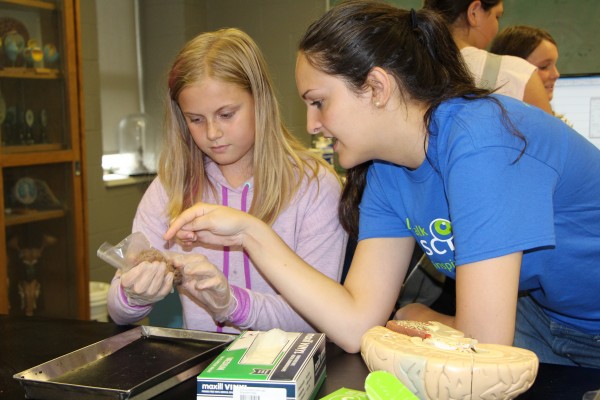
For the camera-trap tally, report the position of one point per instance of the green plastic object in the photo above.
(382, 385)
(346, 394)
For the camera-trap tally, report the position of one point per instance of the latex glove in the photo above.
(147, 283)
(206, 284)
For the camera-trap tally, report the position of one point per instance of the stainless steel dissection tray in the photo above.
(137, 364)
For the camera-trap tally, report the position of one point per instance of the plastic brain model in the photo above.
(437, 362)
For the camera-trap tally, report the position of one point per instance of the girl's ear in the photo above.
(380, 83)
(474, 13)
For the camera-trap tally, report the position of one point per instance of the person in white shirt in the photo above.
(473, 25)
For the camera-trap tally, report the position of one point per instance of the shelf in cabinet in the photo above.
(31, 3)
(29, 73)
(31, 148)
(25, 217)
(36, 158)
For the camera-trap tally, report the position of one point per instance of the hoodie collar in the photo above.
(216, 176)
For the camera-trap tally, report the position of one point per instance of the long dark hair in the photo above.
(451, 10)
(416, 47)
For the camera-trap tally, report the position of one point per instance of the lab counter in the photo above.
(26, 342)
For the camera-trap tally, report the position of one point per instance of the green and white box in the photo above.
(271, 365)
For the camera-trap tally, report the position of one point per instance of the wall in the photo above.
(276, 25)
(117, 61)
(110, 210)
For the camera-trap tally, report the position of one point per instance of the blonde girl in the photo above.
(225, 143)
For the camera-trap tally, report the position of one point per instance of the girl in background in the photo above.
(225, 143)
(501, 196)
(536, 46)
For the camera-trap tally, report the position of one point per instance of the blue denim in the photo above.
(551, 341)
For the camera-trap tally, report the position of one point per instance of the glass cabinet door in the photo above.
(32, 88)
(42, 252)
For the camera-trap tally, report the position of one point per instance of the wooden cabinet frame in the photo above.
(67, 156)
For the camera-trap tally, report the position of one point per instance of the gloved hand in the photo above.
(147, 283)
(206, 284)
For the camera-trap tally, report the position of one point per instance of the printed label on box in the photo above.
(272, 362)
(246, 393)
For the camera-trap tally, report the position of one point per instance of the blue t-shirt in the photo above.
(479, 196)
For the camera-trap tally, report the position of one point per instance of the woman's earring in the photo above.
(377, 104)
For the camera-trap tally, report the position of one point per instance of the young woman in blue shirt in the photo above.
(502, 196)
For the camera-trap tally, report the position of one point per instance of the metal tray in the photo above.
(137, 364)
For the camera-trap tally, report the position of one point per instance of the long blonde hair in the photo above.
(280, 160)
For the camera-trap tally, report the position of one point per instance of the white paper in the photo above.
(250, 393)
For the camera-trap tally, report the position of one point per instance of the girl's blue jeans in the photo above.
(551, 341)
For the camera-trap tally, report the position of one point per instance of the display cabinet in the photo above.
(43, 262)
